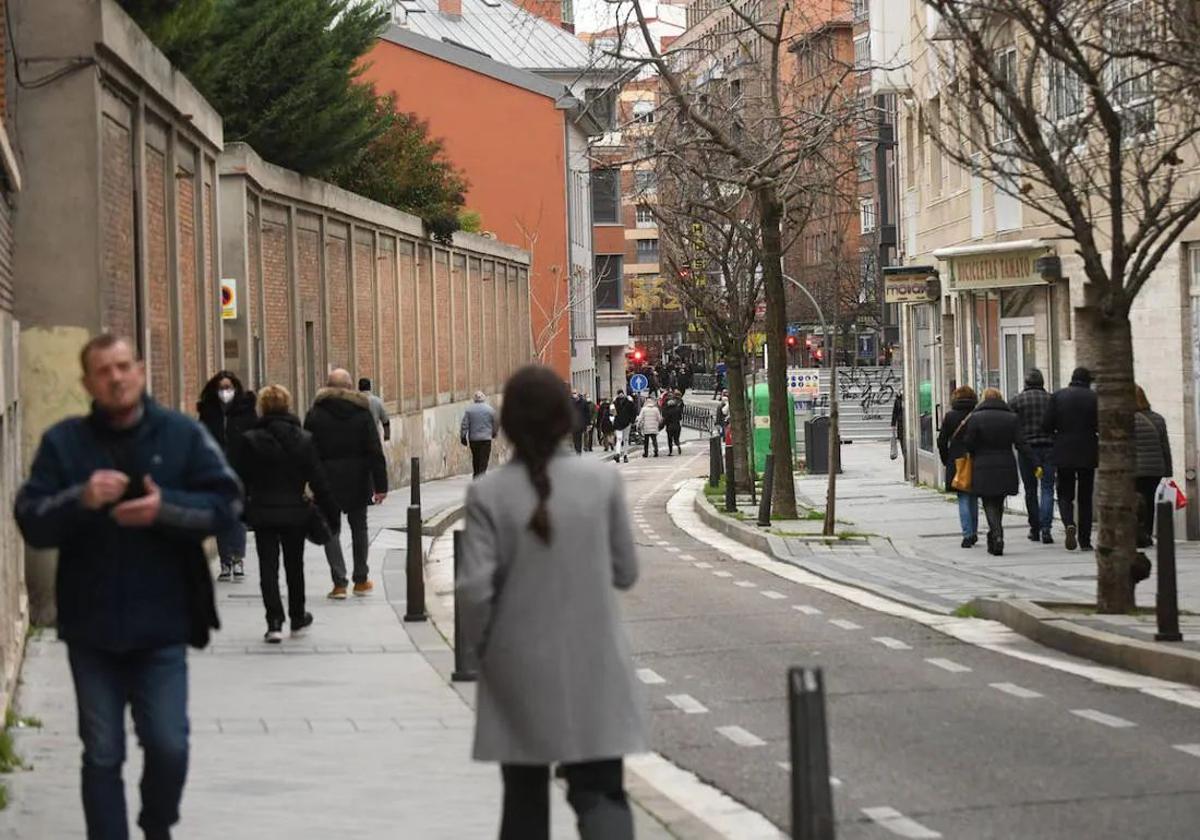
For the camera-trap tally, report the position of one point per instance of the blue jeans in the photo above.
(231, 543)
(1039, 511)
(154, 684)
(968, 514)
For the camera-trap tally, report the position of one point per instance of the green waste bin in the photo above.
(760, 398)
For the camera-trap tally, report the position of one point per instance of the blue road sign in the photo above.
(638, 382)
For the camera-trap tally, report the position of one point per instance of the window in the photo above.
(601, 104)
(935, 150)
(645, 216)
(866, 214)
(862, 52)
(644, 181)
(866, 163)
(1006, 69)
(606, 196)
(1066, 92)
(568, 11)
(860, 9)
(643, 112)
(608, 277)
(1131, 29)
(647, 250)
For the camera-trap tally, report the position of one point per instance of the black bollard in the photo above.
(1167, 599)
(714, 460)
(414, 568)
(464, 659)
(812, 799)
(415, 482)
(730, 488)
(764, 506)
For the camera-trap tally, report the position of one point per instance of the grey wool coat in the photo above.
(556, 680)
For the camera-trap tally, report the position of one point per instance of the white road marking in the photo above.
(686, 557)
(1100, 717)
(745, 584)
(894, 644)
(844, 624)
(806, 609)
(663, 542)
(900, 825)
(1190, 749)
(772, 594)
(726, 816)
(787, 765)
(721, 574)
(949, 665)
(1016, 690)
(741, 737)
(672, 549)
(687, 703)
(702, 565)
(649, 677)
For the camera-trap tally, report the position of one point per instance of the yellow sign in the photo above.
(229, 300)
(906, 288)
(990, 271)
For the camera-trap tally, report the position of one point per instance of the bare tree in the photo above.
(1086, 112)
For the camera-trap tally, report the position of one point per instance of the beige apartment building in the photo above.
(988, 291)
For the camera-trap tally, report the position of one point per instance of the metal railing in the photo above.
(700, 418)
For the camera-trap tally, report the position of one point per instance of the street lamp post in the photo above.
(835, 458)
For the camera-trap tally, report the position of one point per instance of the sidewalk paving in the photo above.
(350, 731)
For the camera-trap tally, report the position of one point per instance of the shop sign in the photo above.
(909, 284)
(804, 383)
(989, 271)
(229, 308)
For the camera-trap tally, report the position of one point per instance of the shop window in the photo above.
(923, 352)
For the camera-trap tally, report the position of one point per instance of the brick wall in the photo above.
(503, 327)
(188, 292)
(208, 307)
(388, 386)
(490, 367)
(277, 307)
(461, 338)
(475, 305)
(443, 315)
(254, 303)
(308, 278)
(158, 280)
(408, 325)
(364, 306)
(117, 277)
(337, 269)
(426, 324)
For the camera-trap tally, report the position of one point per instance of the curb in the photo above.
(1059, 632)
(441, 521)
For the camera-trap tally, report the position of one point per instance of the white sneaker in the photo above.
(239, 572)
(273, 637)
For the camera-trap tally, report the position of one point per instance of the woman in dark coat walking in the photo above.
(276, 460)
(950, 447)
(227, 410)
(1153, 448)
(990, 434)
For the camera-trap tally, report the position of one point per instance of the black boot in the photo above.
(1034, 534)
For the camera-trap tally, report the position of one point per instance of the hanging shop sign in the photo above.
(910, 284)
(1002, 270)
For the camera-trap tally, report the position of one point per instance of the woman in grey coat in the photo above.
(547, 545)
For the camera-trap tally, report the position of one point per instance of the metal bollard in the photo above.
(1167, 599)
(764, 506)
(812, 799)
(730, 488)
(465, 668)
(714, 460)
(414, 568)
(415, 482)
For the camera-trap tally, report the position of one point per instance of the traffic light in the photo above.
(638, 355)
(791, 342)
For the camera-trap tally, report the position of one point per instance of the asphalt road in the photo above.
(930, 736)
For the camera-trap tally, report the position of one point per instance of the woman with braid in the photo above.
(547, 545)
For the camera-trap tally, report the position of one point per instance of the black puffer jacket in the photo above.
(348, 444)
(950, 446)
(276, 460)
(626, 413)
(990, 435)
(225, 423)
(672, 412)
(1153, 445)
(1072, 419)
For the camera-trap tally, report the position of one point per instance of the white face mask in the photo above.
(225, 395)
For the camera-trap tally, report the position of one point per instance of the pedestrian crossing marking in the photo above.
(649, 677)
(949, 665)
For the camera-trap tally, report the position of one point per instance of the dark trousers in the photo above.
(1147, 488)
(647, 440)
(269, 541)
(154, 684)
(673, 433)
(577, 440)
(481, 453)
(360, 544)
(1039, 511)
(1083, 480)
(595, 790)
(993, 509)
(588, 438)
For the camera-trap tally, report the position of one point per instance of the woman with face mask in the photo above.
(227, 410)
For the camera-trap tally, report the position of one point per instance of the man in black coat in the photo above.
(672, 412)
(347, 440)
(1072, 418)
(583, 419)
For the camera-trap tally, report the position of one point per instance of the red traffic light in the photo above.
(791, 341)
(638, 355)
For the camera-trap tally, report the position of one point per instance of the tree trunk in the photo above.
(835, 451)
(784, 486)
(735, 373)
(1116, 500)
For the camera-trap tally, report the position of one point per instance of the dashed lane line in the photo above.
(702, 565)
(898, 824)
(949, 665)
(687, 704)
(772, 594)
(1016, 690)
(740, 736)
(844, 624)
(1106, 719)
(721, 574)
(745, 584)
(787, 765)
(806, 609)
(1190, 749)
(687, 557)
(672, 549)
(894, 644)
(649, 677)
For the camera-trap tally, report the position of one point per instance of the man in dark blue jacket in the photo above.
(126, 495)
(1072, 418)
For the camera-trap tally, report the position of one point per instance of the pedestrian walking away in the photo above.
(672, 415)
(1037, 472)
(648, 422)
(990, 434)
(276, 461)
(1153, 450)
(378, 410)
(127, 496)
(898, 448)
(547, 543)
(477, 431)
(582, 418)
(950, 449)
(1072, 420)
(226, 409)
(605, 417)
(626, 416)
(347, 443)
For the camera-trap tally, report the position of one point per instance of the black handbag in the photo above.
(316, 529)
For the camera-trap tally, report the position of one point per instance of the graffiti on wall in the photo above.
(872, 389)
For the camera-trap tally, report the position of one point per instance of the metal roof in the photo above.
(504, 32)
